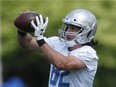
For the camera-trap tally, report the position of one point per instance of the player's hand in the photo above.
(40, 27)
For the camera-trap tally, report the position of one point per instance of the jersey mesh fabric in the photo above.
(76, 78)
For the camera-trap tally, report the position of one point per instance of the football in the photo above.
(23, 21)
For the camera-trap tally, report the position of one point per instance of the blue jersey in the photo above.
(75, 78)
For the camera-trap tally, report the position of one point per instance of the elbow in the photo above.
(68, 66)
(61, 66)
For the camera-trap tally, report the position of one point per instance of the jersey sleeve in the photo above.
(88, 56)
(51, 41)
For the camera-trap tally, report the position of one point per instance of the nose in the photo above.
(69, 36)
(69, 29)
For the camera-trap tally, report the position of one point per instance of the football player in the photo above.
(71, 54)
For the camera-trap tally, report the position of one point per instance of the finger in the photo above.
(37, 20)
(27, 11)
(33, 24)
(41, 19)
(20, 13)
(46, 22)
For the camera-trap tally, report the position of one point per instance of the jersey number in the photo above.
(55, 75)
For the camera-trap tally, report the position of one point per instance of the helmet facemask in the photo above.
(63, 34)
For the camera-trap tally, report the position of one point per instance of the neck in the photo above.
(74, 47)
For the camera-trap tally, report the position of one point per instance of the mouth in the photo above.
(70, 37)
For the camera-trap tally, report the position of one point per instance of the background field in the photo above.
(32, 68)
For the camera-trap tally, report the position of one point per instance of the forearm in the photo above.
(54, 57)
(27, 42)
(60, 61)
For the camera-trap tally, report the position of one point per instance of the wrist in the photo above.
(41, 42)
(21, 33)
(38, 37)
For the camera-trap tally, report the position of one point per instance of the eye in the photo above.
(74, 28)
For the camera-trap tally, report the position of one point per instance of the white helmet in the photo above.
(83, 19)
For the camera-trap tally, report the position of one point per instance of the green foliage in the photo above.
(56, 10)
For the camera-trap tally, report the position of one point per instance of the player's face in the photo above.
(71, 32)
